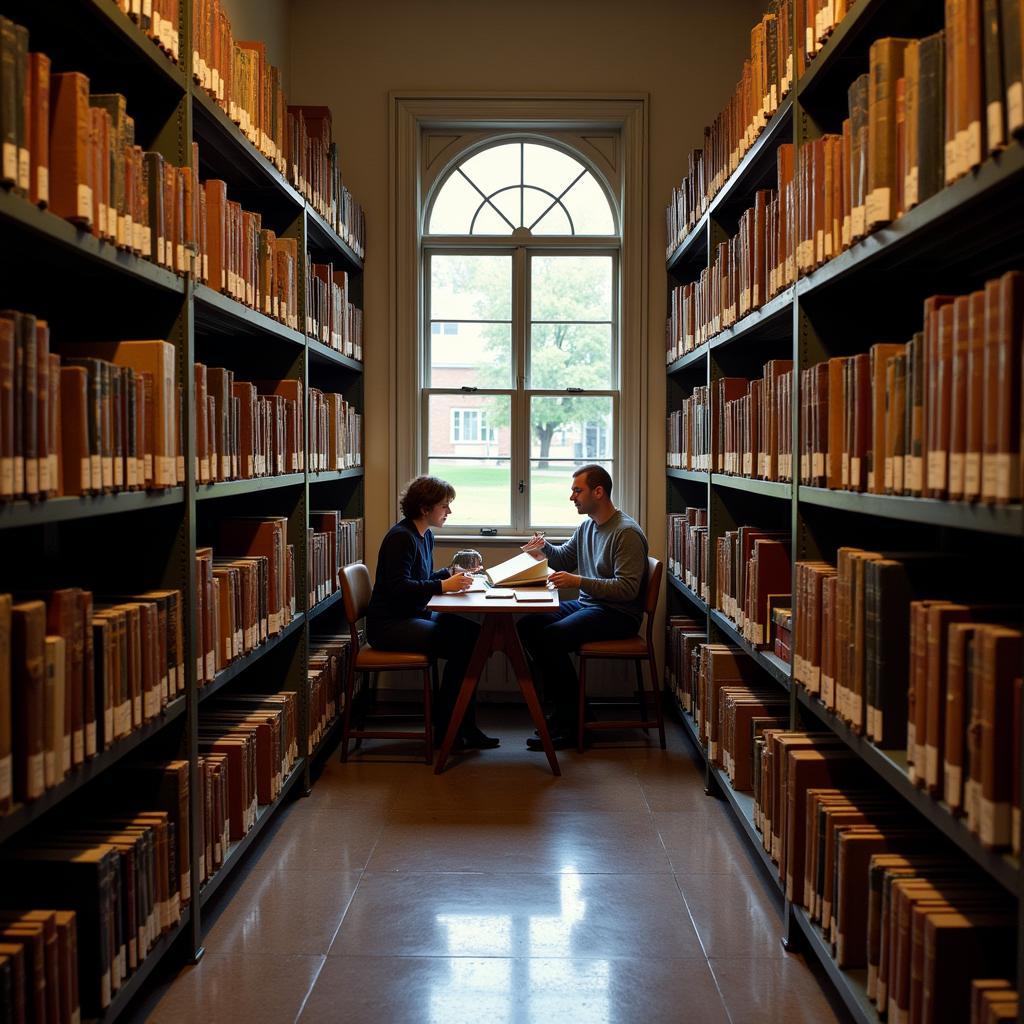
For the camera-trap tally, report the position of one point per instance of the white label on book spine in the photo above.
(6, 764)
(136, 704)
(956, 472)
(211, 664)
(24, 169)
(937, 470)
(859, 219)
(10, 159)
(108, 471)
(855, 475)
(994, 126)
(1015, 105)
(43, 184)
(818, 464)
(972, 474)
(78, 746)
(954, 778)
(65, 754)
(951, 161)
(84, 203)
(35, 782)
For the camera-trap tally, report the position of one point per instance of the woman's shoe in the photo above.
(474, 739)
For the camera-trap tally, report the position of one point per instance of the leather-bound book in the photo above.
(886, 60)
(217, 234)
(970, 138)
(956, 91)
(28, 667)
(1008, 387)
(70, 151)
(958, 396)
(1011, 30)
(76, 474)
(994, 99)
(974, 388)
(938, 332)
(931, 116)
(911, 104)
(39, 128)
(878, 357)
(9, 99)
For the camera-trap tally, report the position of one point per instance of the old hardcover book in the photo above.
(53, 712)
(931, 116)
(995, 94)
(878, 357)
(71, 194)
(39, 128)
(958, 397)
(975, 397)
(886, 59)
(1008, 387)
(859, 155)
(28, 669)
(6, 706)
(911, 101)
(1012, 37)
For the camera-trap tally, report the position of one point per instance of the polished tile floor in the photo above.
(496, 893)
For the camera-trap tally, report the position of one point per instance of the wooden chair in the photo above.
(356, 587)
(637, 649)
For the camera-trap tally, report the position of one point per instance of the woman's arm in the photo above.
(399, 556)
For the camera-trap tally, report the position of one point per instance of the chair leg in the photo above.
(640, 693)
(582, 705)
(347, 720)
(366, 703)
(428, 721)
(652, 667)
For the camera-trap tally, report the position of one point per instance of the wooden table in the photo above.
(497, 633)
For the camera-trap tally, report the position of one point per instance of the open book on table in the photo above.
(522, 571)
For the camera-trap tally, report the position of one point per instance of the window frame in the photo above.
(522, 248)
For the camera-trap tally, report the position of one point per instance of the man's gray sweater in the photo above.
(611, 560)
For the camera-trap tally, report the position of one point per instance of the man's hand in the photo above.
(564, 580)
(535, 546)
(456, 583)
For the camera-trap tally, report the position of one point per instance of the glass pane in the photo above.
(470, 287)
(508, 202)
(454, 207)
(550, 489)
(469, 426)
(588, 207)
(571, 288)
(535, 203)
(571, 427)
(554, 222)
(549, 168)
(579, 355)
(483, 490)
(494, 168)
(490, 222)
(470, 355)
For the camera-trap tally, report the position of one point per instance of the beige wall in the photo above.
(687, 54)
(266, 21)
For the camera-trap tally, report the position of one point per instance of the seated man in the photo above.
(607, 559)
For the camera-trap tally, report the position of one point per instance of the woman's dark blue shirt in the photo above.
(405, 579)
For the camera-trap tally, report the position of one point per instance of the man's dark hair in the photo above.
(423, 494)
(597, 476)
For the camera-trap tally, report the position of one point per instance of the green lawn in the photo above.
(482, 495)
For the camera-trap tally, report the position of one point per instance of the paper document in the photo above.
(535, 596)
(523, 570)
(497, 594)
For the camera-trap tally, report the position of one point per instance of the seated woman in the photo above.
(398, 620)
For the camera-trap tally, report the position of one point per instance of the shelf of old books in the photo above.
(220, 314)
(324, 604)
(237, 849)
(766, 488)
(958, 515)
(57, 510)
(770, 663)
(327, 356)
(231, 488)
(242, 664)
(696, 476)
(680, 587)
(326, 243)
(27, 812)
(871, 295)
(333, 475)
(891, 765)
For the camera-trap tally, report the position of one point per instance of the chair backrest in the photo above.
(654, 572)
(356, 588)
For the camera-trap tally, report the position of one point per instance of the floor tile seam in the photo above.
(309, 991)
(377, 873)
(694, 958)
(689, 914)
(718, 989)
(344, 913)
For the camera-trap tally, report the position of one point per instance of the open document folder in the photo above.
(522, 571)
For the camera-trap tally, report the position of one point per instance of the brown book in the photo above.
(970, 137)
(6, 705)
(1011, 30)
(28, 667)
(76, 476)
(39, 128)
(958, 668)
(956, 92)
(886, 59)
(216, 234)
(860, 139)
(994, 95)
(1008, 387)
(90, 698)
(940, 617)
(70, 151)
(998, 651)
(958, 397)
(911, 102)
(938, 331)
(8, 347)
(878, 358)
(975, 396)
(53, 712)
(859, 419)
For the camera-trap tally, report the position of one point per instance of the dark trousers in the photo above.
(446, 636)
(549, 639)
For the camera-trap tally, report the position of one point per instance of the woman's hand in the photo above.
(535, 546)
(456, 583)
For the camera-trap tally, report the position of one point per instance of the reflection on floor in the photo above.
(496, 893)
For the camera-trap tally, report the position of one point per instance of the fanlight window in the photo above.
(521, 185)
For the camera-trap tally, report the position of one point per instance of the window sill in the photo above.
(485, 539)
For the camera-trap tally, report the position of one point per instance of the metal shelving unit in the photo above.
(171, 112)
(968, 232)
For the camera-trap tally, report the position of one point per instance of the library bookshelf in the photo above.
(967, 232)
(87, 288)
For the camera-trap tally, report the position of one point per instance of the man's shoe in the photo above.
(559, 740)
(474, 739)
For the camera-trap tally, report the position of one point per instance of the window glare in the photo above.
(521, 185)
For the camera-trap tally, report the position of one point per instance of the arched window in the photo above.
(520, 335)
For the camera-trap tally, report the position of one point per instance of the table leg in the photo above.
(514, 650)
(484, 646)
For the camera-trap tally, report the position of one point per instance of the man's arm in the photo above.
(630, 561)
(562, 557)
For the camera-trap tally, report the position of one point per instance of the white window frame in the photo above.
(482, 428)
(429, 133)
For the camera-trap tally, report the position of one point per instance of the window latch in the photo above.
(467, 389)
(488, 531)
(574, 391)
(522, 486)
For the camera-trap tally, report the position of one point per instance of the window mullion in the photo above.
(520, 416)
